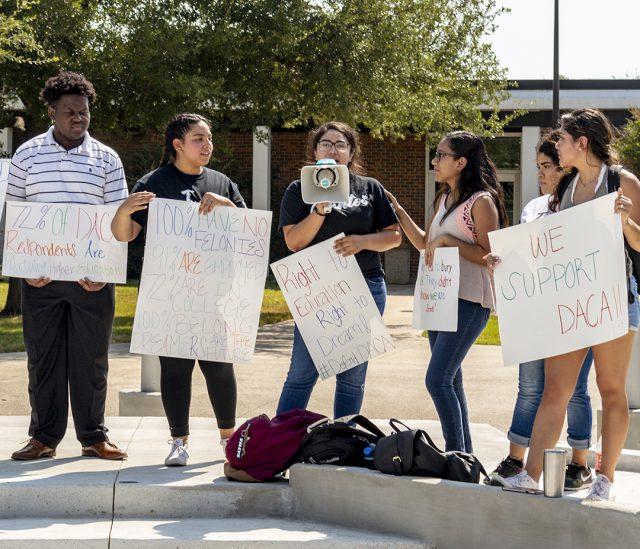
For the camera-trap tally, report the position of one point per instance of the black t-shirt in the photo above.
(169, 182)
(367, 211)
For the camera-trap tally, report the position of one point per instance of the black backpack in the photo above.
(339, 441)
(412, 452)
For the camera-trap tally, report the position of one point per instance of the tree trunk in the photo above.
(12, 306)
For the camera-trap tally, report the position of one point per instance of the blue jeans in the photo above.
(302, 375)
(444, 374)
(530, 388)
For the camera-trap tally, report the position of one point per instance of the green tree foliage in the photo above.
(394, 67)
(629, 143)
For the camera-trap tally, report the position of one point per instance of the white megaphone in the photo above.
(325, 181)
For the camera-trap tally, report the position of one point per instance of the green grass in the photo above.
(274, 309)
(490, 334)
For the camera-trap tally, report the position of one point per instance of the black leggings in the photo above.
(175, 387)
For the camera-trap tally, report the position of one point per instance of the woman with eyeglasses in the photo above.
(468, 205)
(371, 227)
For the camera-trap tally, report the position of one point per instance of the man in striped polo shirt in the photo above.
(67, 325)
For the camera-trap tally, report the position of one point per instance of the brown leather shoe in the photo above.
(104, 450)
(33, 450)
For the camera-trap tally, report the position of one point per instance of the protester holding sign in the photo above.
(585, 147)
(531, 374)
(468, 205)
(183, 175)
(370, 226)
(67, 325)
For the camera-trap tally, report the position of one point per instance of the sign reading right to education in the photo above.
(333, 308)
(562, 283)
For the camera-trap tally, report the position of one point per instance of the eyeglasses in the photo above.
(325, 146)
(439, 155)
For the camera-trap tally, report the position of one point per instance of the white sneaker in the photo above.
(178, 455)
(600, 489)
(521, 480)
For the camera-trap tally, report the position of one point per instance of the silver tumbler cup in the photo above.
(553, 469)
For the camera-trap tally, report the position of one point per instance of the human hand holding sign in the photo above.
(349, 245)
(91, 286)
(211, 200)
(623, 206)
(430, 249)
(38, 282)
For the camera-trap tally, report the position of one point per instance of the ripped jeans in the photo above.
(302, 375)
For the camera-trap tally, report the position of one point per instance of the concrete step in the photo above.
(249, 532)
(189, 534)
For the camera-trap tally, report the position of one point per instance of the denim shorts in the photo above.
(634, 308)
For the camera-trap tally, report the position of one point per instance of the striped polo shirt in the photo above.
(42, 170)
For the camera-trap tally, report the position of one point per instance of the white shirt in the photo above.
(536, 208)
(42, 170)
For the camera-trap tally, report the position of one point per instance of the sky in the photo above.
(598, 38)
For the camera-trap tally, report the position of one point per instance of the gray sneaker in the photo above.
(577, 477)
(178, 455)
(600, 490)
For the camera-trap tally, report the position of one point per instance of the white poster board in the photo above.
(202, 282)
(435, 298)
(332, 307)
(62, 242)
(561, 284)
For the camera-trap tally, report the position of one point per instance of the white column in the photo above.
(261, 193)
(429, 184)
(6, 141)
(529, 177)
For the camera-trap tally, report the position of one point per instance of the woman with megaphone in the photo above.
(367, 219)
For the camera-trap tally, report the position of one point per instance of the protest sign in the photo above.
(62, 242)
(435, 298)
(561, 283)
(332, 307)
(202, 282)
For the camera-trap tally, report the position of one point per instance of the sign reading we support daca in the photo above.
(62, 242)
(435, 298)
(562, 283)
(333, 308)
(202, 282)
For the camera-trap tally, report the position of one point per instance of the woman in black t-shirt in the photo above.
(370, 226)
(183, 175)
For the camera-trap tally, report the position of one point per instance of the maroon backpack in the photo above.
(263, 447)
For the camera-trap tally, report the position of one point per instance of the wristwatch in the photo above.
(327, 209)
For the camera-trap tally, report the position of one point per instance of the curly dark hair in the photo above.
(351, 135)
(66, 83)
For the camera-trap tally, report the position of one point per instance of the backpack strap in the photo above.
(613, 177)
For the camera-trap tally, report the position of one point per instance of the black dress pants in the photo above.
(67, 332)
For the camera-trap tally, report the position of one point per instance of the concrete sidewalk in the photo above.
(395, 381)
(87, 502)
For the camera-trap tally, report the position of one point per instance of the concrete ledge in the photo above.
(450, 514)
(138, 403)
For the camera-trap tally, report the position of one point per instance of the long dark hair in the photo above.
(479, 174)
(351, 135)
(177, 128)
(547, 146)
(595, 126)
